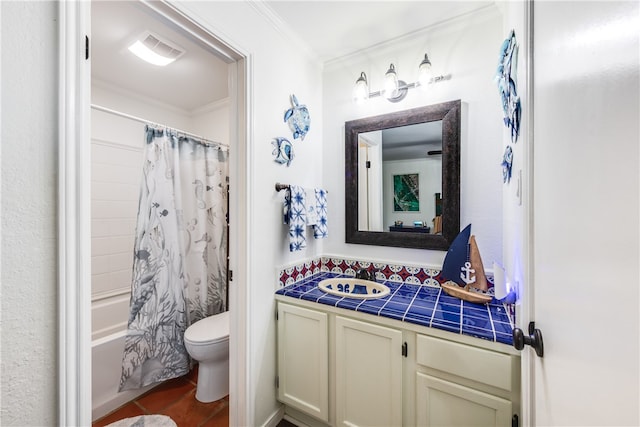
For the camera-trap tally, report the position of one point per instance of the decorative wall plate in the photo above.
(297, 117)
(507, 162)
(506, 79)
(282, 150)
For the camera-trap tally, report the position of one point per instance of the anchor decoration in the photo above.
(467, 271)
(464, 271)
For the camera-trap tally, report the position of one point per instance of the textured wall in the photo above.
(29, 184)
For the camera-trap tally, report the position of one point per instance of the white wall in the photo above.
(279, 68)
(429, 183)
(29, 220)
(468, 49)
(212, 121)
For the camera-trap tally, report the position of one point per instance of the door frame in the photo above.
(525, 310)
(74, 213)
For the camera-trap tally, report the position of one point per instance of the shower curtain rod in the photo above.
(149, 122)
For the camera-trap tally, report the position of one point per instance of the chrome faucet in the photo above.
(365, 274)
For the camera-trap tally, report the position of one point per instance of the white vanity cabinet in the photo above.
(462, 385)
(368, 374)
(364, 370)
(303, 360)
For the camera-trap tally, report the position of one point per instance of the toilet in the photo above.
(207, 341)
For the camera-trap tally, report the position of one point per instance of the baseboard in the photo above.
(275, 418)
(118, 400)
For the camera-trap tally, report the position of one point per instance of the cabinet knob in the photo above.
(534, 339)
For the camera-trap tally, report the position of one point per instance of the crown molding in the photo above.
(453, 24)
(135, 96)
(280, 26)
(212, 106)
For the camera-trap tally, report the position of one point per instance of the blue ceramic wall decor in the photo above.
(282, 150)
(507, 162)
(506, 79)
(297, 117)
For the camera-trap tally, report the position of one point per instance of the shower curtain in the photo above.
(180, 254)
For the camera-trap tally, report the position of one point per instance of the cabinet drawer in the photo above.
(485, 366)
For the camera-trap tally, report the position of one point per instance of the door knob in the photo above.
(534, 339)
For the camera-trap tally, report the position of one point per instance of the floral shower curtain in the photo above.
(180, 254)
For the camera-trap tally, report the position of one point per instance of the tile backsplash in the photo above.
(416, 275)
(409, 274)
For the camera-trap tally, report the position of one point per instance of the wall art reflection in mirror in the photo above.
(402, 185)
(406, 193)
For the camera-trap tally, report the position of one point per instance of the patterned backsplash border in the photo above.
(416, 275)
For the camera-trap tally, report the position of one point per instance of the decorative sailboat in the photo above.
(464, 271)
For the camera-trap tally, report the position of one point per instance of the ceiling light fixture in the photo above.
(150, 48)
(395, 90)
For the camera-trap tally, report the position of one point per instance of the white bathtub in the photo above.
(106, 365)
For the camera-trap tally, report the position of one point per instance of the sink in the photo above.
(353, 288)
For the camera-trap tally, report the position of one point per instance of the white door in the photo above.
(585, 213)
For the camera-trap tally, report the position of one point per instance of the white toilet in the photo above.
(207, 341)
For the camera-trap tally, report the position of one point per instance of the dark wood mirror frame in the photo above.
(449, 113)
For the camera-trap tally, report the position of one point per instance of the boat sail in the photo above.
(464, 271)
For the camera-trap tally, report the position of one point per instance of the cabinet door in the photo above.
(303, 360)
(368, 374)
(444, 403)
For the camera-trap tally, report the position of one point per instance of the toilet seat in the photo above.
(209, 330)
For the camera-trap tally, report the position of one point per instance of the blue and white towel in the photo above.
(320, 229)
(312, 209)
(295, 215)
(304, 208)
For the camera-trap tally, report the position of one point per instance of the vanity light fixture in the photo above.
(395, 90)
(150, 48)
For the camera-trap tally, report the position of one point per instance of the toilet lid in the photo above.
(210, 329)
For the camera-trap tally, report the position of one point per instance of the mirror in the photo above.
(402, 178)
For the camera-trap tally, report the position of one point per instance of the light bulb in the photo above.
(361, 89)
(143, 52)
(424, 72)
(390, 82)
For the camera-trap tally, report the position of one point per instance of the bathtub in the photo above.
(106, 365)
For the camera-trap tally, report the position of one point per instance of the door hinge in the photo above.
(231, 275)
(368, 164)
(276, 314)
(277, 381)
(405, 350)
(86, 47)
(514, 421)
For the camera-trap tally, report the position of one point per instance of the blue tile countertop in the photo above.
(420, 304)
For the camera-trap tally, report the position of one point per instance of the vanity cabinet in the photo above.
(366, 370)
(461, 385)
(303, 360)
(368, 374)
